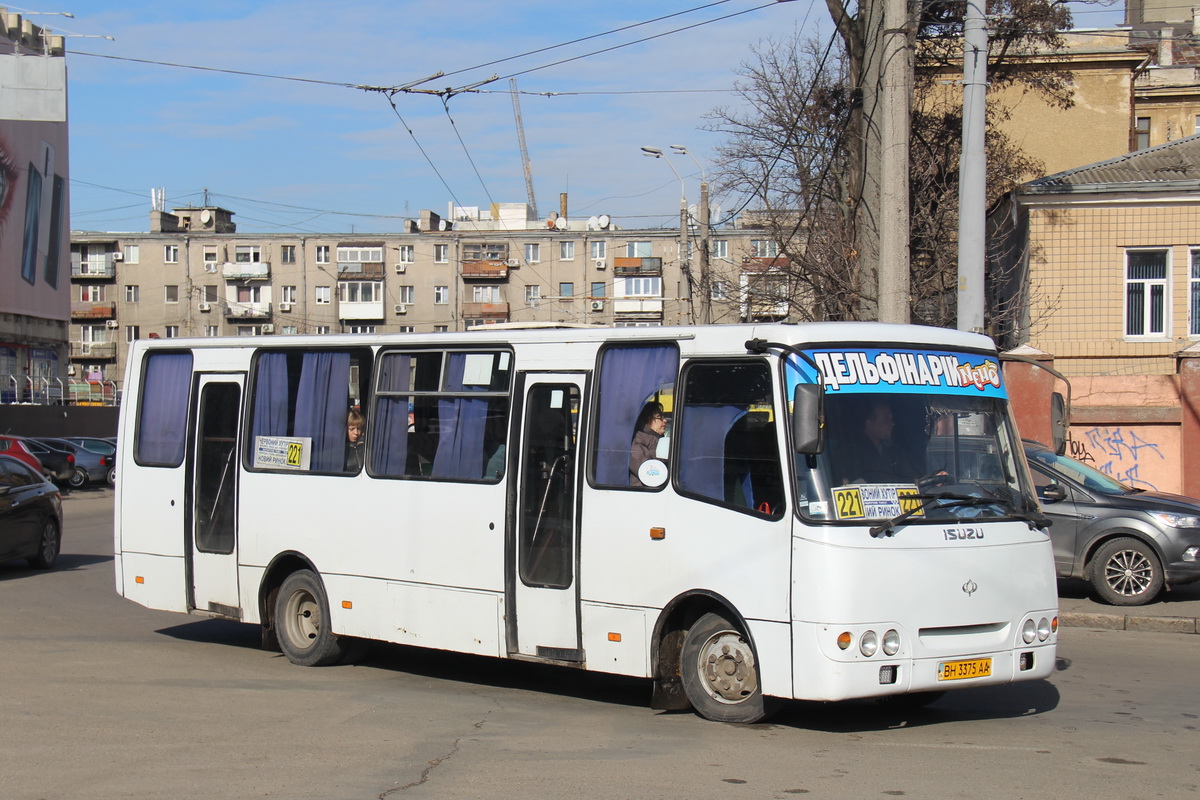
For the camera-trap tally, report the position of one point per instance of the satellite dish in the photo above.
(593, 223)
(561, 223)
(603, 221)
(444, 224)
(206, 216)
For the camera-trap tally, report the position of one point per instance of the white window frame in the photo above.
(406, 254)
(599, 249)
(323, 253)
(638, 286)
(167, 293)
(171, 332)
(566, 251)
(485, 294)
(1194, 293)
(533, 252)
(639, 249)
(764, 248)
(287, 294)
(441, 295)
(360, 255)
(720, 249)
(133, 333)
(360, 291)
(211, 331)
(441, 254)
(719, 290)
(1148, 285)
(533, 294)
(323, 295)
(170, 254)
(406, 294)
(287, 254)
(132, 253)
(247, 254)
(133, 293)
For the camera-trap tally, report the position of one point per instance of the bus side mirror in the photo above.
(1058, 423)
(808, 418)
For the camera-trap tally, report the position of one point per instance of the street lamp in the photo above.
(655, 152)
(703, 220)
(683, 151)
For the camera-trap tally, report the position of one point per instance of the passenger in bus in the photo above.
(873, 456)
(356, 427)
(650, 427)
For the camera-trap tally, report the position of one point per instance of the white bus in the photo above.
(741, 513)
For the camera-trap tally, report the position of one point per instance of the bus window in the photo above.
(631, 376)
(163, 409)
(304, 398)
(441, 415)
(728, 450)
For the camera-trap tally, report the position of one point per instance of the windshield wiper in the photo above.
(952, 500)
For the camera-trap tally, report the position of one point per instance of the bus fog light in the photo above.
(887, 675)
(869, 643)
(844, 640)
(1026, 662)
(1191, 554)
(1043, 629)
(1028, 631)
(891, 643)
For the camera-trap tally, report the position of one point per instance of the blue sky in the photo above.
(309, 157)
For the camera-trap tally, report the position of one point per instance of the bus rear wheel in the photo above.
(302, 622)
(720, 672)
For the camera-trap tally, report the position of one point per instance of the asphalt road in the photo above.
(105, 699)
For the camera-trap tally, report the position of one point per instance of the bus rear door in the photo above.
(543, 596)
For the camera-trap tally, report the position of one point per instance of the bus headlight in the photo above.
(1043, 629)
(869, 643)
(891, 643)
(1029, 631)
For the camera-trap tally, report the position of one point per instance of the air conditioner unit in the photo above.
(210, 266)
(268, 328)
(71, 369)
(401, 269)
(513, 262)
(285, 307)
(401, 308)
(112, 323)
(118, 256)
(597, 305)
(205, 307)
(601, 263)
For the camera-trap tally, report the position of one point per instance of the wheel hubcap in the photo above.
(727, 667)
(1129, 573)
(304, 619)
(49, 543)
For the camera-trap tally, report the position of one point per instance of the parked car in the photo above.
(90, 466)
(30, 515)
(1127, 542)
(13, 446)
(57, 465)
(102, 446)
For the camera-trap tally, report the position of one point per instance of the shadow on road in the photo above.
(67, 562)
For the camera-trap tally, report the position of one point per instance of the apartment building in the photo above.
(195, 275)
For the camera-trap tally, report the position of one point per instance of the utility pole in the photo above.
(895, 132)
(972, 170)
(705, 254)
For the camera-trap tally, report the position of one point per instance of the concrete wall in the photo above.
(24, 420)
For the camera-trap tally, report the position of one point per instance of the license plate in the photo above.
(957, 670)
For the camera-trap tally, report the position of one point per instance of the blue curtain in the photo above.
(271, 396)
(162, 426)
(628, 376)
(389, 430)
(702, 431)
(463, 422)
(322, 401)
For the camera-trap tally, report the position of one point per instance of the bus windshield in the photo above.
(937, 445)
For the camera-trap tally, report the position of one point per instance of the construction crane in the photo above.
(516, 98)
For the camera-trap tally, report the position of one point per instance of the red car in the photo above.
(12, 446)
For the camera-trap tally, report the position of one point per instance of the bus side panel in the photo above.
(773, 644)
(446, 619)
(616, 639)
(154, 581)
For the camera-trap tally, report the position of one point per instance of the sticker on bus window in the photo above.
(282, 452)
(876, 501)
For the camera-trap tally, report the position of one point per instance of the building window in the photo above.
(360, 255)
(247, 254)
(720, 290)
(639, 250)
(170, 294)
(133, 294)
(324, 296)
(720, 249)
(598, 288)
(440, 328)
(406, 254)
(287, 254)
(1145, 292)
(405, 294)
(287, 294)
(133, 333)
(171, 253)
(322, 254)
(533, 252)
(566, 251)
(362, 328)
(211, 331)
(407, 329)
(533, 294)
(91, 294)
(763, 248)
(322, 330)
(441, 295)
(486, 294)
(638, 287)
(599, 249)
(441, 254)
(566, 290)
(249, 294)
(132, 253)
(289, 330)
(360, 291)
(1141, 133)
(484, 251)
(210, 259)
(249, 330)
(172, 332)
(1194, 295)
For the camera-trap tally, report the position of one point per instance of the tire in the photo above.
(112, 476)
(302, 622)
(78, 479)
(49, 546)
(720, 672)
(1126, 572)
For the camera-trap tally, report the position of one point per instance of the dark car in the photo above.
(106, 447)
(30, 515)
(1127, 542)
(13, 446)
(90, 466)
(58, 465)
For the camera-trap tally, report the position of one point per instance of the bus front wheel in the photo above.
(302, 622)
(720, 672)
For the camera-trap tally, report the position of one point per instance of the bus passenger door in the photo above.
(543, 599)
(212, 545)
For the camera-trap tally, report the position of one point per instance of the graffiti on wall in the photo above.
(1117, 452)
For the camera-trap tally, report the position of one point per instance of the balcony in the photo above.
(246, 270)
(354, 310)
(93, 268)
(247, 311)
(639, 307)
(93, 350)
(496, 312)
(355, 270)
(637, 266)
(485, 270)
(765, 263)
(93, 311)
